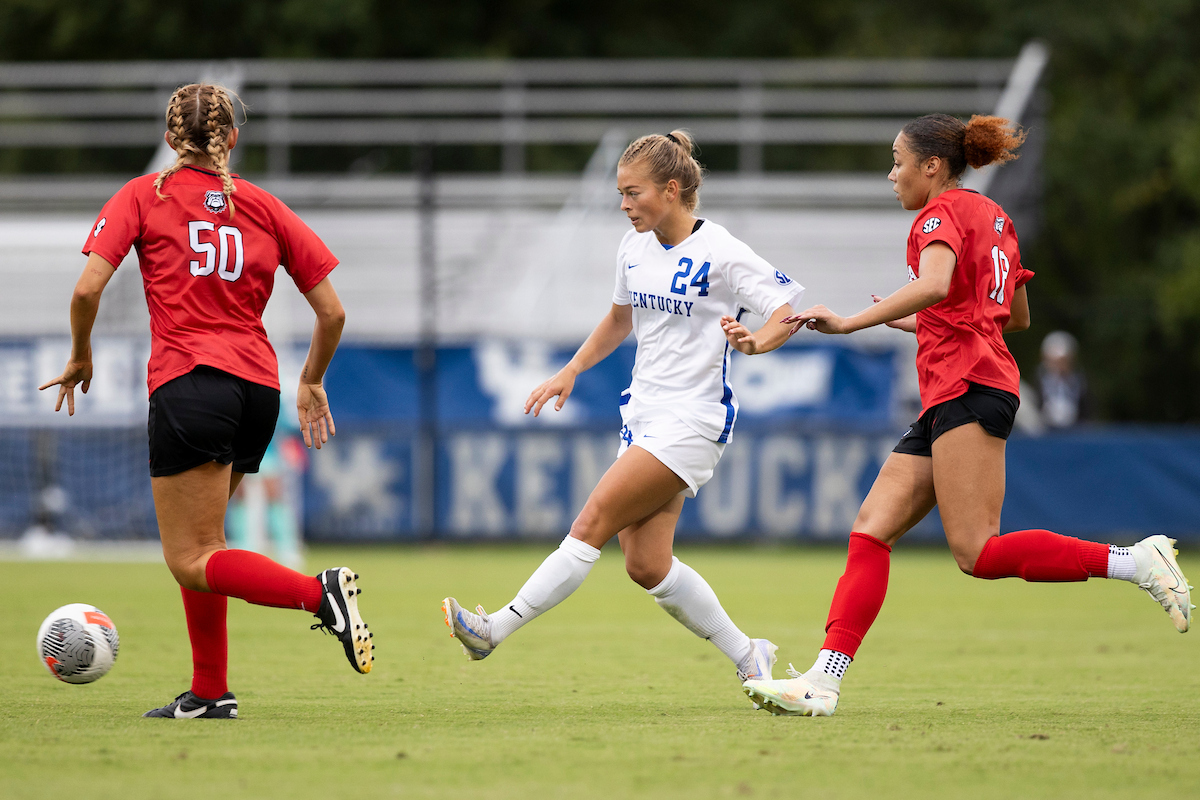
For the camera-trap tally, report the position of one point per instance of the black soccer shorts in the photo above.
(994, 409)
(210, 415)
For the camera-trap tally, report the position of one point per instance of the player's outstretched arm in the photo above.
(605, 338)
(770, 336)
(936, 268)
(312, 404)
(85, 302)
(907, 324)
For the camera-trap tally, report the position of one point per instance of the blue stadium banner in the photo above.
(815, 425)
(481, 385)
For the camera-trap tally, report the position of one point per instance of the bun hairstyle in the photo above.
(982, 141)
(200, 121)
(667, 157)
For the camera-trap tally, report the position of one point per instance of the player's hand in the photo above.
(818, 318)
(739, 336)
(77, 372)
(560, 386)
(316, 421)
(908, 323)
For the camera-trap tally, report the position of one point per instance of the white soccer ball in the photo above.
(78, 643)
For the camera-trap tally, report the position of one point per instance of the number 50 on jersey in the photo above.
(224, 236)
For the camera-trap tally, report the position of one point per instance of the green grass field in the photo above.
(964, 688)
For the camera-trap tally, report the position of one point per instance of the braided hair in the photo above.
(200, 121)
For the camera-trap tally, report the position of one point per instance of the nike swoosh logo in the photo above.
(181, 714)
(518, 613)
(340, 624)
(1174, 572)
(631, 266)
(467, 627)
(809, 695)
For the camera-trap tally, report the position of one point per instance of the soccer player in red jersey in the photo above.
(208, 264)
(966, 289)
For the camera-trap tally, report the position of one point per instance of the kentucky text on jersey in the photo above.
(678, 295)
(656, 302)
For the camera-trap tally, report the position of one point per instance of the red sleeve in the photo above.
(302, 253)
(1023, 275)
(938, 225)
(116, 228)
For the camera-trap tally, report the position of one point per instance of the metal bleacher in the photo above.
(515, 252)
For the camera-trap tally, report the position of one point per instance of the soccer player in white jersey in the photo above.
(683, 285)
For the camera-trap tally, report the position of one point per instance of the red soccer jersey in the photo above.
(961, 338)
(208, 276)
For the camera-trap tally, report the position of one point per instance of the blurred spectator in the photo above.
(1062, 387)
(268, 504)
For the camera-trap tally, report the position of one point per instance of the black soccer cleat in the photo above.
(188, 706)
(338, 615)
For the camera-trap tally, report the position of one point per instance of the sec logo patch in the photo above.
(781, 279)
(931, 225)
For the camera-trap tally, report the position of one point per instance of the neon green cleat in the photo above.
(1159, 575)
(796, 696)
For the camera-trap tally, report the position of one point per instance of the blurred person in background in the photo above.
(208, 263)
(682, 285)
(966, 289)
(1061, 385)
(265, 511)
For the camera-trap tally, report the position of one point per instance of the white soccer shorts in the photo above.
(683, 451)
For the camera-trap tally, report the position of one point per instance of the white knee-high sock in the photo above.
(688, 598)
(560, 574)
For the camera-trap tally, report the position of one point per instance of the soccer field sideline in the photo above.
(998, 689)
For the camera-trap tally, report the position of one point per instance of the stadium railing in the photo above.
(53, 474)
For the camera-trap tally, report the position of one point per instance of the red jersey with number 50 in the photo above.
(208, 276)
(961, 338)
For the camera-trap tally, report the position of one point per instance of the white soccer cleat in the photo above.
(473, 631)
(796, 696)
(763, 659)
(1159, 575)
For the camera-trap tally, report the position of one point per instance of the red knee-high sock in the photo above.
(205, 614)
(259, 580)
(859, 594)
(1041, 556)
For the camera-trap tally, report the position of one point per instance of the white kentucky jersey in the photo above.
(679, 295)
